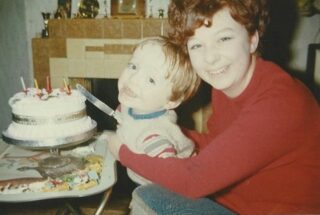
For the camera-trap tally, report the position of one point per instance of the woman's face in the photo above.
(222, 54)
(143, 85)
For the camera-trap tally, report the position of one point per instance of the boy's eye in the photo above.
(223, 39)
(132, 66)
(152, 81)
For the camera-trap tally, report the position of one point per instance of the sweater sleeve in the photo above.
(156, 145)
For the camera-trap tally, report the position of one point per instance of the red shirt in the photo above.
(261, 155)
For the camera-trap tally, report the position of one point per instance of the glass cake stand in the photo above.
(55, 164)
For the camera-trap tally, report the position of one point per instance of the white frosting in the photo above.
(49, 106)
(38, 132)
(59, 102)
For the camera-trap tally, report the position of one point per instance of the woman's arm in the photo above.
(260, 135)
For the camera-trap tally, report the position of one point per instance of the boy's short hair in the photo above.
(185, 81)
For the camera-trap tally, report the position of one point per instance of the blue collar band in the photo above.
(146, 116)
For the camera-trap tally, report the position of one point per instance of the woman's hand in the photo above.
(114, 143)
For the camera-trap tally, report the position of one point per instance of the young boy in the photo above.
(157, 79)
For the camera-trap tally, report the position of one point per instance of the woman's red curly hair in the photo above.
(187, 15)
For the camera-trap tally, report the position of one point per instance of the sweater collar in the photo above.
(146, 116)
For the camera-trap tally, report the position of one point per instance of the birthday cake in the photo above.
(41, 115)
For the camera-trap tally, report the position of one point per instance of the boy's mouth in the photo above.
(128, 92)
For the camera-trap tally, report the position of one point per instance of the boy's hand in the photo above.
(114, 143)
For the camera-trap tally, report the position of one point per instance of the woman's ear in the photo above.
(254, 41)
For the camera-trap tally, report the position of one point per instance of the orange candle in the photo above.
(36, 84)
(49, 89)
(67, 87)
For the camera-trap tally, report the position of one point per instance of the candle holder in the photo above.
(161, 13)
(45, 31)
(105, 8)
(150, 8)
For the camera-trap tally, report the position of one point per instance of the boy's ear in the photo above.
(172, 104)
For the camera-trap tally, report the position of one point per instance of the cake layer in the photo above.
(35, 104)
(48, 131)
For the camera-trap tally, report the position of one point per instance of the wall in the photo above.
(14, 60)
(20, 20)
(307, 31)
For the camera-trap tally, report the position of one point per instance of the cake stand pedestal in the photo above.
(56, 165)
(55, 160)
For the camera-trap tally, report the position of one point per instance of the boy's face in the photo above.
(222, 54)
(143, 84)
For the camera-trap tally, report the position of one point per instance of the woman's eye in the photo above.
(152, 81)
(195, 46)
(132, 66)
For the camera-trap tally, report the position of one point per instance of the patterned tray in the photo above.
(99, 145)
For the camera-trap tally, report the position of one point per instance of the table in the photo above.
(98, 145)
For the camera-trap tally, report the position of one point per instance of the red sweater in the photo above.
(261, 155)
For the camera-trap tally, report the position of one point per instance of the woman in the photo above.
(262, 152)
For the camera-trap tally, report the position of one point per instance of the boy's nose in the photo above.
(135, 78)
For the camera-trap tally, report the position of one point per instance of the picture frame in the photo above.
(63, 10)
(128, 8)
(313, 68)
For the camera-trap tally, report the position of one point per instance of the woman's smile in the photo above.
(220, 71)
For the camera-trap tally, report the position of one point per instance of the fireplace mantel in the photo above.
(81, 49)
(89, 44)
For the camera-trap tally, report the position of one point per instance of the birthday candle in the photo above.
(23, 84)
(66, 86)
(38, 91)
(49, 89)
(36, 84)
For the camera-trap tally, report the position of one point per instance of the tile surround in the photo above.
(107, 28)
(89, 48)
